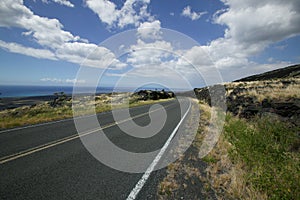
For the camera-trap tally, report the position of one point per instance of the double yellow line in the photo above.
(27, 152)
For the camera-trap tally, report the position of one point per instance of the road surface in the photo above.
(49, 161)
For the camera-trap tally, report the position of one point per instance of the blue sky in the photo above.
(53, 42)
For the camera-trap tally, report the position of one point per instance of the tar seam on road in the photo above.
(26, 152)
(133, 194)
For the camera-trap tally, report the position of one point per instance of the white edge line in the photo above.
(133, 194)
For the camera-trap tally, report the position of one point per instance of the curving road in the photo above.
(49, 161)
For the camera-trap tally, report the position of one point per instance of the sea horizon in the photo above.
(18, 91)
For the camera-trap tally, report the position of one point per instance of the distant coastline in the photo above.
(17, 96)
(14, 96)
(41, 92)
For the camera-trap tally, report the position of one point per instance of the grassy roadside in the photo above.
(255, 159)
(257, 155)
(41, 113)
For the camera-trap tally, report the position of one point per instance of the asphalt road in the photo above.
(49, 161)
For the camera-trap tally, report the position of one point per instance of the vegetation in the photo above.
(61, 108)
(256, 159)
(257, 155)
(269, 152)
(281, 89)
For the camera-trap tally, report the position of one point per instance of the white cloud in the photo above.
(59, 80)
(133, 12)
(149, 30)
(187, 12)
(61, 2)
(252, 25)
(88, 55)
(106, 10)
(160, 74)
(145, 54)
(64, 2)
(196, 56)
(117, 65)
(75, 81)
(49, 33)
(17, 48)
(264, 21)
(55, 80)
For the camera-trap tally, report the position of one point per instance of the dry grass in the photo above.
(169, 183)
(291, 91)
(253, 160)
(225, 177)
(38, 114)
(184, 174)
(271, 89)
(265, 149)
(228, 178)
(41, 113)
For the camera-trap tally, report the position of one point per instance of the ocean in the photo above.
(30, 91)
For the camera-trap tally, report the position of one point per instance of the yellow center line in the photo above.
(29, 151)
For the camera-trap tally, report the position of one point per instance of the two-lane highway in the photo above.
(49, 161)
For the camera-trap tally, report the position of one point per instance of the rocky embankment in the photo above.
(275, 93)
(245, 105)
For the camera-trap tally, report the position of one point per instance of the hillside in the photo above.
(282, 73)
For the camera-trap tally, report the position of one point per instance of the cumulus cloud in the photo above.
(133, 12)
(260, 21)
(197, 56)
(251, 26)
(48, 33)
(146, 54)
(150, 30)
(187, 12)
